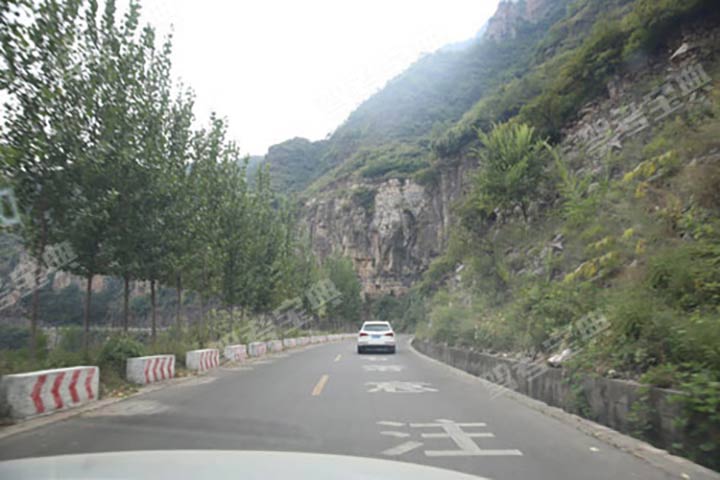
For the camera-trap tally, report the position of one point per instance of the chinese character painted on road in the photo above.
(383, 368)
(400, 387)
(376, 359)
(454, 431)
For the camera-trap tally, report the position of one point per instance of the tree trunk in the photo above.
(202, 294)
(178, 310)
(86, 314)
(153, 335)
(34, 311)
(36, 291)
(126, 303)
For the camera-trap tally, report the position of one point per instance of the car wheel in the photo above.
(392, 349)
(360, 350)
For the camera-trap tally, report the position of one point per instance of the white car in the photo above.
(376, 336)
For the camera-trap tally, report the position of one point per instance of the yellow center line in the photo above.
(320, 385)
(337, 359)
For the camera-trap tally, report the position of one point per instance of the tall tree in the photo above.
(41, 65)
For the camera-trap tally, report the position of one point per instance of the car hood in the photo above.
(219, 464)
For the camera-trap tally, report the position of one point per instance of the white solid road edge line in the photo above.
(678, 466)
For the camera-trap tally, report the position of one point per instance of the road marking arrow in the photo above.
(390, 423)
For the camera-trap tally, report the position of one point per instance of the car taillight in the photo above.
(363, 334)
(390, 334)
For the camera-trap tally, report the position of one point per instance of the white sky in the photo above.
(278, 69)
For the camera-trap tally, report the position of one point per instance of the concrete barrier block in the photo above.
(29, 394)
(150, 369)
(289, 342)
(237, 353)
(275, 346)
(302, 341)
(202, 360)
(257, 349)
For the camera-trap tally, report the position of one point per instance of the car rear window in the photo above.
(376, 328)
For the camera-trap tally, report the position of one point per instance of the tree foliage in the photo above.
(512, 163)
(99, 144)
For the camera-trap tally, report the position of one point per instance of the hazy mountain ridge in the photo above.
(424, 100)
(375, 163)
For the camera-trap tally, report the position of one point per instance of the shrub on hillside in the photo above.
(116, 351)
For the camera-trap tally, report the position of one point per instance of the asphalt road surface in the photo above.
(329, 399)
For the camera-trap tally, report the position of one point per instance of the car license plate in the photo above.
(375, 337)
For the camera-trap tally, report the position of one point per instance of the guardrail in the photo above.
(29, 394)
(275, 346)
(257, 349)
(24, 395)
(202, 360)
(150, 369)
(237, 353)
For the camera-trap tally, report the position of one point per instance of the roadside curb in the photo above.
(37, 422)
(41, 421)
(678, 467)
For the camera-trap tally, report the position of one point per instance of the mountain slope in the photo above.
(424, 100)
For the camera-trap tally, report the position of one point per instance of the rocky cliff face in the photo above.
(511, 13)
(391, 229)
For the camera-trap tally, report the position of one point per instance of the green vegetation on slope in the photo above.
(573, 64)
(638, 243)
(415, 107)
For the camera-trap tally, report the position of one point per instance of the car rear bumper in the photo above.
(376, 348)
(376, 343)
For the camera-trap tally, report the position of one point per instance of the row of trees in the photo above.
(99, 145)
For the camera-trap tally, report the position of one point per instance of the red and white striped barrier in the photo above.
(289, 343)
(302, 341)
(151, 369)
(46, 391)
(202, 360)
(237, 353)
(275, 346)
(257, 349)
